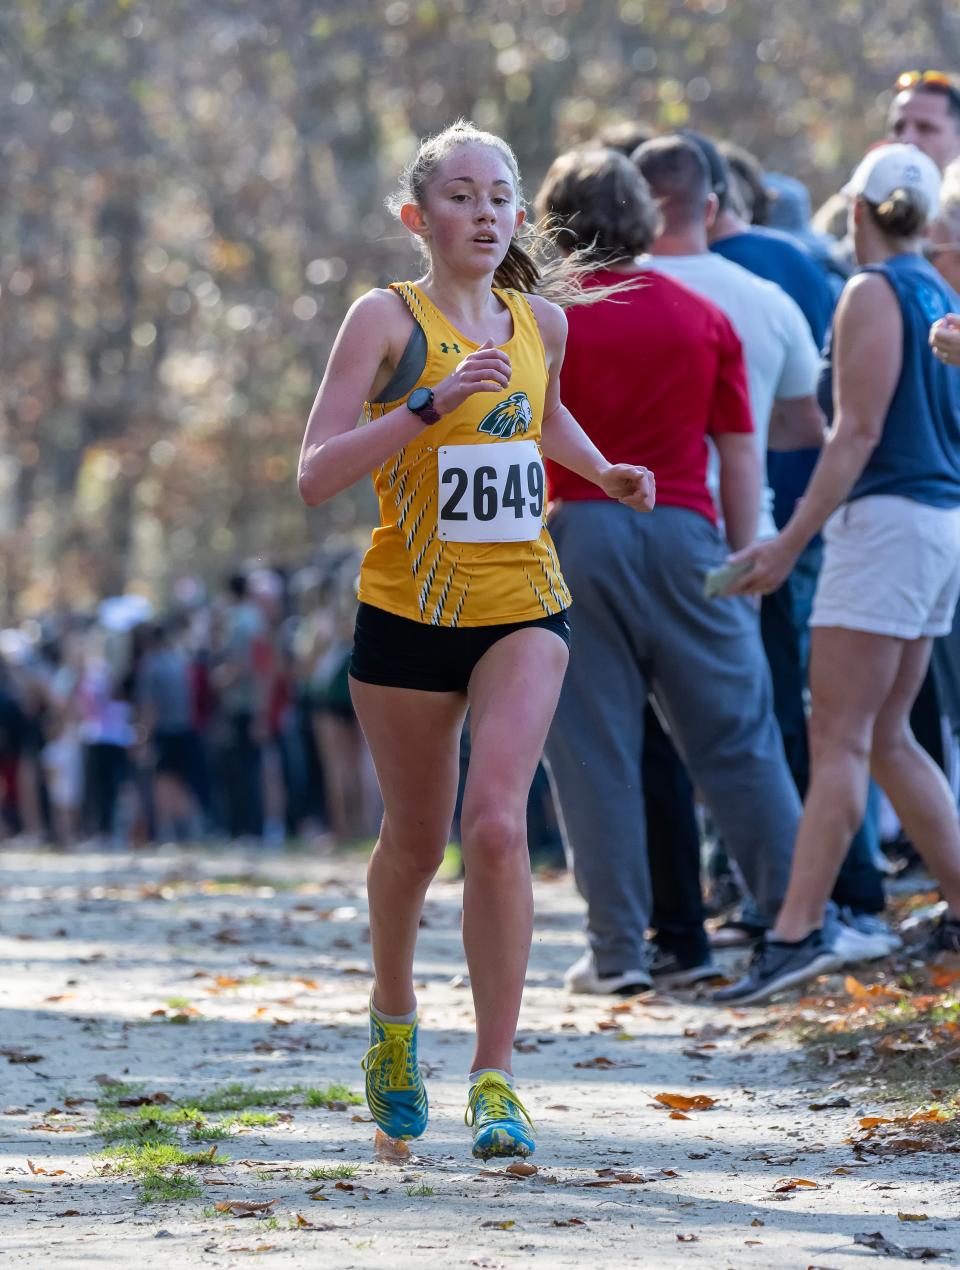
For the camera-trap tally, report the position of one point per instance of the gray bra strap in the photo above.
(409, 368)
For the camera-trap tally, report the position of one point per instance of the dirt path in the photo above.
(262, 982)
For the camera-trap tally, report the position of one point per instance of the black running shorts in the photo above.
(399, 653)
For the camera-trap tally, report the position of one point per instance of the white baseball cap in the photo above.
(893, 167)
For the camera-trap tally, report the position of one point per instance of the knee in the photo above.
(412, 854)
(832, 739)
(492, 837)
(888, 751)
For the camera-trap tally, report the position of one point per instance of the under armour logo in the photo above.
(449, 348)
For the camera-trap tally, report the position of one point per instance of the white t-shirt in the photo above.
(781, 358)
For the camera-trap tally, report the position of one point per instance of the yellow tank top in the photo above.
(412, 568)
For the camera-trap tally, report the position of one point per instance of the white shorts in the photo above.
(891, 566)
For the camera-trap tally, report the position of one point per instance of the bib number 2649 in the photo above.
(490, 493)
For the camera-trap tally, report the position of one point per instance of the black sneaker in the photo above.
(945, 936)
(670, 969)
(776, 966)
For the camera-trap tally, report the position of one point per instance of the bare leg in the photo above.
(513, 694)
(912, 781)
(414, 739)
(851, 675)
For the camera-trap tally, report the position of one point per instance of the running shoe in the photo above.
(395, 1091)
(497, 1117)
(861, 936)
(776, 966)
(583, 976)
(945, 936)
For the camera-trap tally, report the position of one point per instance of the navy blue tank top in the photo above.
(918, 455)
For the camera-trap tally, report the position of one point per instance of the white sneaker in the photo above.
(582, 976)
(862, 937)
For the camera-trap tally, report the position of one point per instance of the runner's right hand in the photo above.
(485, 370)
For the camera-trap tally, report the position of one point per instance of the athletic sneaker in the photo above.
(861, 936)
(497, 1116)
(395, 1092)
(945, 936)
(669, 969)
(584, 977)
(776, 966)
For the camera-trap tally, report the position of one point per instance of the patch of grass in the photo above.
(152, 1156)
(110, 1095)
(162, 1188)
(122, 1126)
(322, 1097)
(178, 1003)
(334, 1172)
(159, 1123)
(420, 1192)
(240, 1097)
(269, 1223)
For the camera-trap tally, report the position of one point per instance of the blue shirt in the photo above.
(918, 454)
(781, 259)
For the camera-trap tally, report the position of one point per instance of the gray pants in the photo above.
(639, 624)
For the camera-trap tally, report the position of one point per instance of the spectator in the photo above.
(672, 374)
(889, 482)
(926, 113)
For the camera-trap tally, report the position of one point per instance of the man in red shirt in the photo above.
(651, 373)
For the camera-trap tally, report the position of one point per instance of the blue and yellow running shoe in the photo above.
(497, 1116)
(395, 1092)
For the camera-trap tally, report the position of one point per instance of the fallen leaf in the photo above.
(243, 1208)
(828, 1106)
(794, 1184)
(871, 1122)
(685, 1102)
(568, 1221)
(877, 1243)
(600, 1061)
(61, 996)
(688, 1239)
(912, 1217)
(497, 1225)
(519, 1169)
(758, 1222)
(68, 1212)
(669, 1173)
(390, 1150)
(678, 1115)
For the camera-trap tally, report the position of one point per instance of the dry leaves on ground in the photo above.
(877, 1243)
(685, 1102)
(243, 1208)
(389, 1150)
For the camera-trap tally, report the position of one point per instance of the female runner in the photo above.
(461, 599)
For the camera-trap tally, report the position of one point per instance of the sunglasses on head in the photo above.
(909, 79)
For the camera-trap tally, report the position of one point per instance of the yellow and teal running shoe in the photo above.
(497, 1115)
(395, 1092)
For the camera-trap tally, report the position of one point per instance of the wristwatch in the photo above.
(420, 403)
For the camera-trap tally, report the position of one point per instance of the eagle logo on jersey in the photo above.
(508, 417)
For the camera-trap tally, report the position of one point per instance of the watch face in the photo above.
(419, 399)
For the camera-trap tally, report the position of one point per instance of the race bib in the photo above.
(490, 493)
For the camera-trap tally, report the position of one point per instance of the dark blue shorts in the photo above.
(399, 653)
